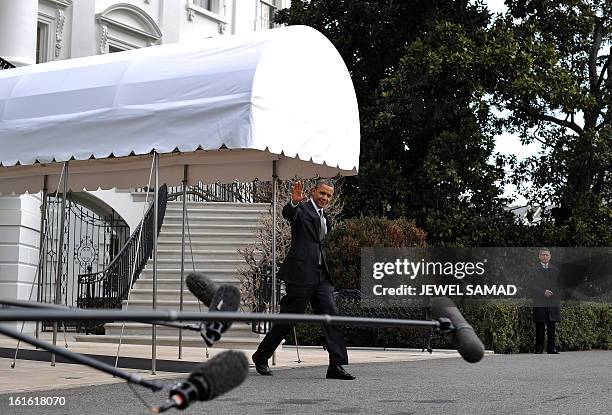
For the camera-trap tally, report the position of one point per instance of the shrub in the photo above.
(345, 242)
(503, 328)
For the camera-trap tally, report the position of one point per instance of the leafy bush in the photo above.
(346, 240)
(503, 328)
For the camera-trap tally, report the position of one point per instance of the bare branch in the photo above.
(603, 71)
(563, 123)
(595, 47)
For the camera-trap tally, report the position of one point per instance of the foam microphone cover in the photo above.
(201, 287)
(221, 374)
(226, 298)
(465, 339)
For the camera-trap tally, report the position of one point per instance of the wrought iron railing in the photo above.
(5, 64)
(109, 287)
(262, 287)
(241, 192)
(91, 237)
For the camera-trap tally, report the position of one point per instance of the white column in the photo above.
(18, 21)
(19, 234)
(83, 41)
(170, 14)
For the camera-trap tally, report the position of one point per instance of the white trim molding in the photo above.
(149, 30)
(47, 23)
(103, 40)
(59, 31)
(193, 9)
(61, 3)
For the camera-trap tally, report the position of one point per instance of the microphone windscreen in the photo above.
(222, 373)
(226, 298)
(465, 339)
(201, 287)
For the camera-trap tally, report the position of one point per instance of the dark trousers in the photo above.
(550, 328)
(320, 296)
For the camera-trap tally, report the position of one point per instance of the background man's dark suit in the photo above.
(306, 281)
(546, 310)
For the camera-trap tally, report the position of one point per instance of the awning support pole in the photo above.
(155, 224)
(180, 348)
(60, 254)
(41, 241)
(274, 200)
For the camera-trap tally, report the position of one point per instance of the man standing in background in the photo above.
(546, 301)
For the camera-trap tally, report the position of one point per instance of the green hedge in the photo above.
(348, 237)
(502, 328)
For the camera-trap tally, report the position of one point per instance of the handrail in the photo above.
(109, 287)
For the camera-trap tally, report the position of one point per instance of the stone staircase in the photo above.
(217, 230)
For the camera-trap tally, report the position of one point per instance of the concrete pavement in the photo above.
(569, 383)
(33, 375)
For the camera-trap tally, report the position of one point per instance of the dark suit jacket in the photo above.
(545, 309)
(301, 263)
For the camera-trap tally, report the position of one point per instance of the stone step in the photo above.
(172, 294)
(198, 254)
(210, 227)
(147, 304)
(175, 274)
(224, 343)
(175, 218)
(217, 230)
(142, 329)
(234, 237)
(218, 264)
(174, 283)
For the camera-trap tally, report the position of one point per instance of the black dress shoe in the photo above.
(554, 351)
(338, 372)
(262, 367)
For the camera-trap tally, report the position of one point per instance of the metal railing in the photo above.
(90, 239)
(109, 287)
(262, 286)
(240, 192)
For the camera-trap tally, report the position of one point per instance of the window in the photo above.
(113, 49)
(268, 10)
(44, 42)
(116, 35)
(210, 5)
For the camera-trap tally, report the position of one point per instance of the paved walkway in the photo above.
(30, 375)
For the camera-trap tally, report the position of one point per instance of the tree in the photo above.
(427, 131)
(551, 68)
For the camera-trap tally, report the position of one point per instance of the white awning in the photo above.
(226, 107)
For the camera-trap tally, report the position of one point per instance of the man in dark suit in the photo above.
(546, 301)
(307, 277)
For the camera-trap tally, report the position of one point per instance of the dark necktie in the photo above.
(322, 229)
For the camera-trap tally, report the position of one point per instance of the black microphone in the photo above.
(202, 287)
(465, 339)
(227, 298)
(219, 375)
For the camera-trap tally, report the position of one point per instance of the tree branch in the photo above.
(563, 123)
(595, 47)
(603, 71)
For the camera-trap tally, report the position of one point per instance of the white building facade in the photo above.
(38, 31)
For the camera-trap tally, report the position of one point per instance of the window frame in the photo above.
(45, 38)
